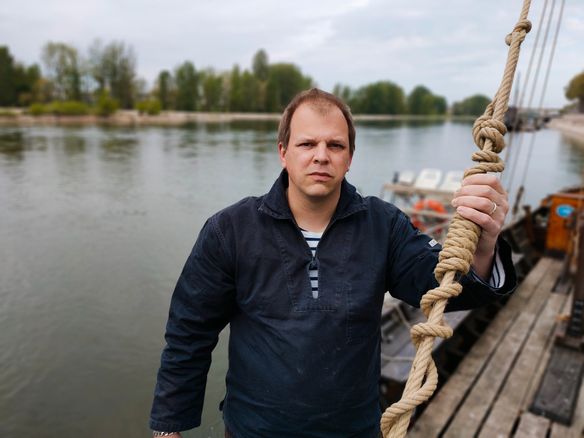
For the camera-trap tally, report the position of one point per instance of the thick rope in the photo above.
(457, 254)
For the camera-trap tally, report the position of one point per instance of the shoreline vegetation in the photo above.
(571, 125)
(101, 86)
(104, 79)
(16, 116)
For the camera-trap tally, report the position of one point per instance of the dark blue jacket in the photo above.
(298, 366)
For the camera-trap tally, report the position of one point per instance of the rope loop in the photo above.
(485, 128)
(521, 29)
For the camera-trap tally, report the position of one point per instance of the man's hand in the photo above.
(483, 200)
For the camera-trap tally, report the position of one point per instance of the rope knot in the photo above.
(423, 329)
(522, 27)
(489, 128)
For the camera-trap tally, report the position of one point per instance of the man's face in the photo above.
(317, 156)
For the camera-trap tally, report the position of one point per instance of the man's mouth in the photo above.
(321, 176)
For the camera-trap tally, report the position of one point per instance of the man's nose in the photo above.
(321, 152)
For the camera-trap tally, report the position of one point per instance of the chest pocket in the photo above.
(363, 312)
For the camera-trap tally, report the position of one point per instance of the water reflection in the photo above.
(74, 144)
(394, 124)
(117, 147)
(256, 126)
(575, 152)
(12, 145)
(382, 124)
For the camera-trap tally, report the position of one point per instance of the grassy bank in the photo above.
(16, 116)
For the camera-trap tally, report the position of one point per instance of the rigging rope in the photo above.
(509, 156)
(457, 253)
(540, 108)
(532, 93)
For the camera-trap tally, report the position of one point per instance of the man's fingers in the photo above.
(488, 223)
(483, 204)
(484, 179)
(482, 191)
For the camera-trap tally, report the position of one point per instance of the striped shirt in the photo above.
(312, 239)
(496, 281)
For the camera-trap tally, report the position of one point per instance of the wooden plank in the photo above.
(508, 404)
(445, 403)
(534, 384)
(557, 395)
(576, 429)
(477, 404)
(532, 426)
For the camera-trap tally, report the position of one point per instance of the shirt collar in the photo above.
(275, 202)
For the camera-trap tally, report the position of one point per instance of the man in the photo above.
(300, 274)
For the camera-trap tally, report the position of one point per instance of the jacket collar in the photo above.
(275, 202)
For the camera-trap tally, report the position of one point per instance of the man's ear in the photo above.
(282, 154)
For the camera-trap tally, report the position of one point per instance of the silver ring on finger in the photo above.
(494, 208)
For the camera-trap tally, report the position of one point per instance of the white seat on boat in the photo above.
(406, 177)
(452, 181)
(428, 179)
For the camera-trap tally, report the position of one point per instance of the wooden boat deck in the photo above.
(491, 390)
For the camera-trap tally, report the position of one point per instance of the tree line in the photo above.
(105, 77)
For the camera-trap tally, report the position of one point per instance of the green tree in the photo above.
(471, 106)
(575, 90)
(284, 82)
(212, 85)
(164, 91)
(260, 65)
(113, 68)
(421, 101)
(62, 66)
(7, 78)
(252, 92)
(105, 104)
(235, 90)
(440, 104)
(383, 97)
(343, 92)
(187, 87)
(27, 81)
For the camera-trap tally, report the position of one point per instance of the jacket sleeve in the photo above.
(201, 306)
(412, 258)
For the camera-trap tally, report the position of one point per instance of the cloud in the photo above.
(455, 49)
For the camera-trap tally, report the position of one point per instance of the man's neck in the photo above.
(312, 214)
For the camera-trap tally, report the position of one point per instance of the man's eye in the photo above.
(337, 146)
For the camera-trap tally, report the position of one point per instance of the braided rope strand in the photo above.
(458, 250)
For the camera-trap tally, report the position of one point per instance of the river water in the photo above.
(95, 226)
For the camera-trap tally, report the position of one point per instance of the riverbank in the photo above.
(178, 118)
(571, 125)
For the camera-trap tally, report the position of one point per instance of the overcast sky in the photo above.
(454, 47)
